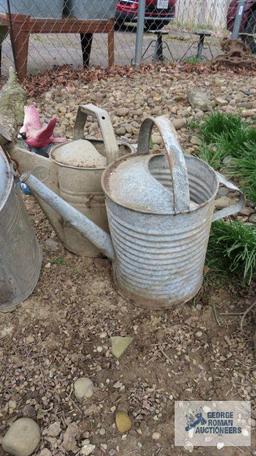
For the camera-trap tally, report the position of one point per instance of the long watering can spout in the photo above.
(77, 220)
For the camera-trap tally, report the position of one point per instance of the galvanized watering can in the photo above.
(160, 209)
(74, 172)
(20, 255)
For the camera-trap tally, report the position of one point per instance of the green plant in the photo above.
(218, 126)
(232, 249)
(226, 135)
(213, 155)
(58, 260)
(193, 60)
(244, 170)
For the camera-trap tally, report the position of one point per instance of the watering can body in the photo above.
(20, 254)
(74, 171)
(160, 209)
(160, 224)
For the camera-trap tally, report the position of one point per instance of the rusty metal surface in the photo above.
(20, 255)
(236, 54)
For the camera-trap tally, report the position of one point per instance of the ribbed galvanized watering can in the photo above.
(20, 255)
(74, 172)
(160, 209)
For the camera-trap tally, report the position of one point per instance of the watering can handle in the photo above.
(235, 208)
(174, 154)
(111, 146)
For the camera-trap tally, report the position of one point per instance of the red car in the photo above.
(157, 13)
(248, 24)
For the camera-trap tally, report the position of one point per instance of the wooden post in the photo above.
(111, 47)
(86, 44)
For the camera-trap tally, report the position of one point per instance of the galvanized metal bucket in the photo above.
(35, 8)
(74, 171)
(160, 209)
(20, 255)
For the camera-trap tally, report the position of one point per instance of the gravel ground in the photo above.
(62, 332)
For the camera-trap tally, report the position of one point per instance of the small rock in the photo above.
(199, 334)
(118, 385)
(252, 218)
(102, 431)
(246, 211)
(179, 123)
(69, 438)
(222, 202)
(156, 435)
(45, 452)
(198, 99)
(223, 191)
(51, 245)
(30, 339)
(22, 438)
(87, 449)
(120, 344)
(195, 140)
(12, 405)
(54, 429)
(249, 113)
(156, 139)
(29, 411)
(221, 101)
(83, 388)
(123, 422)
(120, 131)
(121, 112)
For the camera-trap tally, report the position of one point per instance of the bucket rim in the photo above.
(111, 168)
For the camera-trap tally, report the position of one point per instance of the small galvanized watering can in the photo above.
(160, 209)
(20, 255)
(74, 172)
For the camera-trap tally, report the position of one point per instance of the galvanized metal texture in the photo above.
(78, 185)
(160, 252)
(174, 155)
(130, 182)
(71, 215)
(111, 147)
(20, 254)
(235, 208)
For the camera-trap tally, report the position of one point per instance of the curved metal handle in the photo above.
(111, 147)
(235, 208)
(174, 156)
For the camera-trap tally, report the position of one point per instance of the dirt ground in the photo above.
(62, 332)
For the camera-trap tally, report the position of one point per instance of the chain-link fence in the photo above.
(41, 34)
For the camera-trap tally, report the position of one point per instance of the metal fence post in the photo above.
(238, 19)
(140, 31)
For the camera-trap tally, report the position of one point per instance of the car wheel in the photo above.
(251, 28)
(151, 25)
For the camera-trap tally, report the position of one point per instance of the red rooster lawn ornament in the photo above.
(38, 137)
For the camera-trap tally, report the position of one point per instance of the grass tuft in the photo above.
(232, 249)
(226, 136)
(218, 126)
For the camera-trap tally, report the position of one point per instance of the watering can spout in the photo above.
(72, 216)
